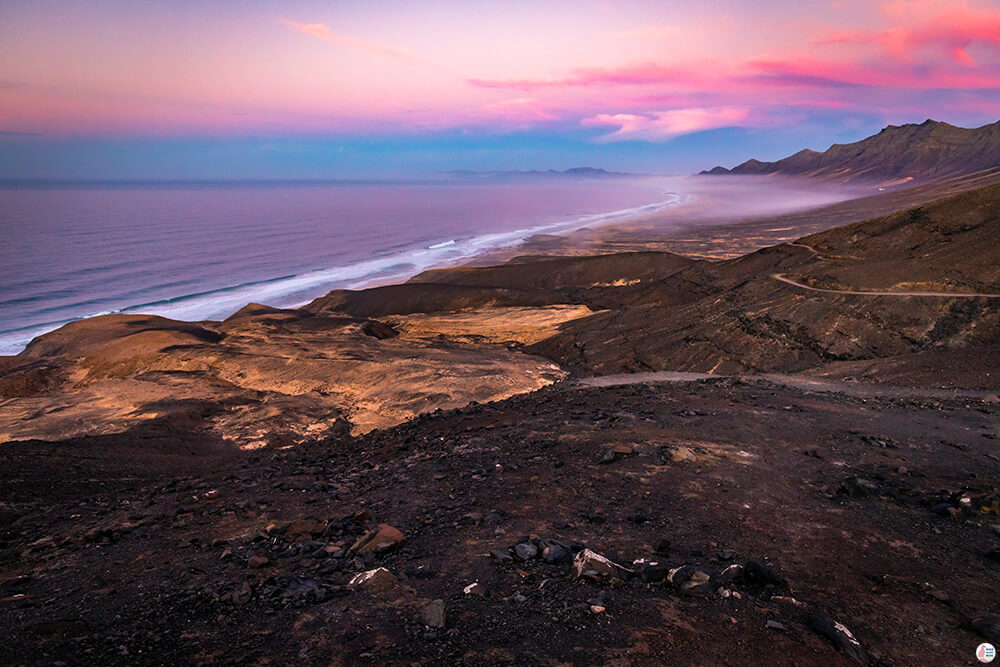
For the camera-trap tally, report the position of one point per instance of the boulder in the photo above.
(731, 573)
(592, 564)
(433, 614)
(306, 526)
(680, 454)
(700, 584)
(756, 574)
(841, 637)
(679, 575)
(525, 551)
(258, 561)
(650, 571)
(556, 553)
(614, 453)
(382, 538)
(502, 555)
(609, 456)
(379, 579)
(241, 593)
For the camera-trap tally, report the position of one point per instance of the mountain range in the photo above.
(897, 155)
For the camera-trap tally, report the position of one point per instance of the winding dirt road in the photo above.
(802, 382)
(782, 277)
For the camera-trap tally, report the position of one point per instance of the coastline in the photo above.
(702, 219)
(296, 290)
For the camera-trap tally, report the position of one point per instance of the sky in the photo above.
(309, 89)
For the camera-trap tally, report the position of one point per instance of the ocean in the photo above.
(197, 251)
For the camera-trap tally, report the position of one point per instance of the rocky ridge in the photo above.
(897, 155)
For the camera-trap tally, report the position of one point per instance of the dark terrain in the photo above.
(878, 513)
(829, 496)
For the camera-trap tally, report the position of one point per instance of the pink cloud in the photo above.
(820, 104)
(511, 69)
(629, 75)
(321, 31)
(816, 73)
(520, 109)
(922, 29)
(665, 124)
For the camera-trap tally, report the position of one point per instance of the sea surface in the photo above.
(195, 251)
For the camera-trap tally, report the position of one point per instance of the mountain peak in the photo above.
(898, 153)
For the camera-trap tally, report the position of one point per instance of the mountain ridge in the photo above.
(896, 155)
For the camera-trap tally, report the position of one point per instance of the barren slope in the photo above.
(895, 156)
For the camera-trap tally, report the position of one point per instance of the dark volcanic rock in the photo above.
(756, 574)
(694, 582)
(502, 555)
(379, 579)
(591, 564)
(609, 456)
(525, 551)
(775, 625)
(614, 453)
(841, 637)
(556, 553)
(433, 614)
(731, 573)
(651, 571)
(241, 593)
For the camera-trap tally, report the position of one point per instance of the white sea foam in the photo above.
(298, 289)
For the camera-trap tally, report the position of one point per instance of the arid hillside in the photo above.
(868, 292)
(904, 297)
(897, 155)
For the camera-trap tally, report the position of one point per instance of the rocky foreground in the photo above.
(723, 521)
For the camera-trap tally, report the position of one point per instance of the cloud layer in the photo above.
(635, 72)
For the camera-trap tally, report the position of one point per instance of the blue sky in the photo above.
(307, 89)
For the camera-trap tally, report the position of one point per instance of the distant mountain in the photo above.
(575, 172)
(898, 154)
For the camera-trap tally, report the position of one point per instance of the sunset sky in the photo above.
(191, 89)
